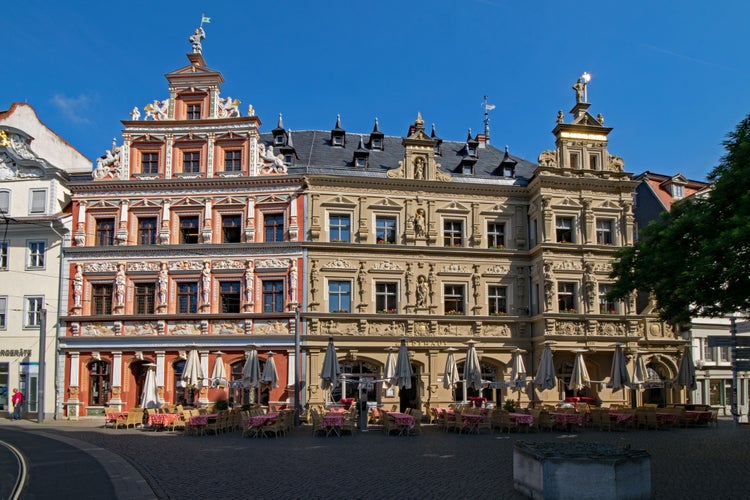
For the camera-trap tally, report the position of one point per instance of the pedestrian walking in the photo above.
(17, 400)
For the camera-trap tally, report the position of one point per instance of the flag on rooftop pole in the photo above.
(489, 107)
(205, 19)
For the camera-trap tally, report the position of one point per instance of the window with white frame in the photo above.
(564, 229)
(604, 232)
(386, 297)
(32, 311)
(4, 201)
(339, 227)
(566, 297)
(497, 298)
(606, 306)
(453, 233)
(453, 299)
(3, 313)
(3, 255)
(495, 235)
(38, 201)
(339, 296)
(35, 254)
(385, 229)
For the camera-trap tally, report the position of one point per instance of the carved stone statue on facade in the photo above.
(421, 291)
(419, 173)
(616, 163)
(109, 164)
(206, 282)
(590, 283)
(120, 282)
(419, 224)
(157, 110)
(579, 87)
(163, 283)
(229, 108)
(361, 281)
(313, 279)
(560, 116)
(135, 115)
(249, 282)
(293, 280)
(549, 286)
(547, 159)
(196, 38)
(78, 286)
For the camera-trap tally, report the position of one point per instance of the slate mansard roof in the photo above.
(316, 155)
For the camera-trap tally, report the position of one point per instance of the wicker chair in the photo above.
(135, 418)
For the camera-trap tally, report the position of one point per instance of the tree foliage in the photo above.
(695, 259)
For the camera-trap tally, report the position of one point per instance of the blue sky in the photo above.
(669, 77)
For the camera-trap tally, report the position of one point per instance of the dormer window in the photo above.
(278, 140)
(467, 169)
(470, 150)
(338, 134)
(508, 172)
(193, 111)
(288, 159)
(338, 140)
(377, 143)
(376, 137)
(678, 190)
(360, 162)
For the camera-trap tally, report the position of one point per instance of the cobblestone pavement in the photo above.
(704, 462)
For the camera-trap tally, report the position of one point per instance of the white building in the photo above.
(35, 164)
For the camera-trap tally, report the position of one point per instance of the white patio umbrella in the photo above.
(580, 376)
(686, 370)
(150, 396)
(192, 374)
(331, 371)
(518, 370)
(403, 367)
(389, 373)
(219, 373)
(472, 369)
(545, 375)
(640, 374)
(251, 370)
(450, 375)
(270, 376)
(618, 375)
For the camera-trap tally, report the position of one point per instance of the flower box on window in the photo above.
(499, 313)
(340, 311)
(454, 313)
(568, 311)
(386, 311)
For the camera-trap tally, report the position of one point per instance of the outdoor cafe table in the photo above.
(403, 421)
(162, 419)
(333, 422)
(200, 422)
(471, 420)
(116, 417)
(621, 418)
(666, 418)
(698, 416)
(256, 422)
(568, 419)
(522, 418)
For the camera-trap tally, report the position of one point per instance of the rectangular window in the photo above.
(566, 297)
(33, 311)
(144, 298)
(453, 299)
(101, 299)
(603, 232)
(229, 296)
(233, 160)
(147, 230)
(231, 228)
(38, 201)
(453, 232)
(339, 296)
(495, 235)
(189, 230)
(36, 251)
(564, 229)
(191, 162)
(710, 355)
(575, 160)
(724, 355)
(339, 227)
(187, 297)
(273, 224)
(194, 112)
(149, 163)
(385, 230)
(105, 232)
(3, 255)
(498, 301)
(594, 162)
(3, 313)
(360, 162)
(606, 306)
(273, 296)
(386, 298)
(4, 202)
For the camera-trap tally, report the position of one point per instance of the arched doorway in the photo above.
(655, 391)
(491, 387)
(138, 371)
(352, 373)
(185, 396)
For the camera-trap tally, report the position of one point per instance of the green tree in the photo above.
(695, 259)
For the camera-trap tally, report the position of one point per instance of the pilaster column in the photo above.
(116, 378)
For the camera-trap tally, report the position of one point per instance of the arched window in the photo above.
(352, 372)
(490, 390)
(98, 383)
(238, 393)
(185, 396)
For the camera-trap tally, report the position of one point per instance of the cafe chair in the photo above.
(135, 418)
